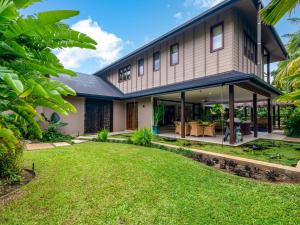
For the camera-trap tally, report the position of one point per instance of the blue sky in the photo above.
(120, 26)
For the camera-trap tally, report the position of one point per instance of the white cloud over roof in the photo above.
(109, 46)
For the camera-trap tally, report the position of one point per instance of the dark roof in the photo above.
(209, 12)
(96, 87)
(231, 77)
(90, 85)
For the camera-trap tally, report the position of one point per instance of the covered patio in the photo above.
(194, 107)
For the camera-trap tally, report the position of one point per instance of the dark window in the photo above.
(124, 73)
(217, 37)
(250, 48)
(141, 67)
(174, 57)
(156, 61)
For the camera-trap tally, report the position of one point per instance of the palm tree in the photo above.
(276, 9)
(287, 74)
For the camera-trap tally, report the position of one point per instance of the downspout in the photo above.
(259, 47)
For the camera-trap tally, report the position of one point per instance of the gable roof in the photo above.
(221, 6)
(90, 85)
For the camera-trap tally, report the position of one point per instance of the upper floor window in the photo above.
(125, 73)
(250, 48)
(217, 37)
(174, 51)
(141, 67)
(156, 61)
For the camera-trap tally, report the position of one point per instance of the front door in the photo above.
(132, 116)
(98, 115)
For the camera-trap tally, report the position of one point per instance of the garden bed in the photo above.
(239, 166)
(8, 188)
(272, 151)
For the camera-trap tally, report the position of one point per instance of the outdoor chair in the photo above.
(178, 128)
(210, 130)
(196, 129)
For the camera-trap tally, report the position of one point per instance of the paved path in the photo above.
(36, 146)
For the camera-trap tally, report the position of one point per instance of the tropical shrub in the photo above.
(158, 113)
(103, 135)
(142, 137)
(9, 163)
(52, 133)
(292, 124)
(27, 64)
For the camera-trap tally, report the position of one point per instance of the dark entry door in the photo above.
(132, 116)
(98, 115)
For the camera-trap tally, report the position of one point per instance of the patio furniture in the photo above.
(178, 128)
(262, 122)
(245, 128)
(196, 129)
(209, 130)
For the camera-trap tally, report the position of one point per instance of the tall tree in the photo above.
(27, 64)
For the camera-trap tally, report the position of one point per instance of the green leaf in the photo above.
(32, 24)
(13, 81)
(24, 3)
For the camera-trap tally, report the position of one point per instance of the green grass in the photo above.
(280, 152)
(109, 183)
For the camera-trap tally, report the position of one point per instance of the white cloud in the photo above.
(109, 46)
(178, 15)
(201, 3)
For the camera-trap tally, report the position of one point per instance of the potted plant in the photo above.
(158, 114)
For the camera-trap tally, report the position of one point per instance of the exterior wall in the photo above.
(145, 116)
(195, 58)
(119, 116)
(240, 61)
(75, 120)
(145, 113)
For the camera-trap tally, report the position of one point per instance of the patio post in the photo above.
(278, 117)
(269, 116)
(245, 112)
(274, 116)
(231, 114)
(182, 115)
(255, 114)
(193, 109)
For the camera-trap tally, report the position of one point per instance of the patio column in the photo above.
(269, 116)
(274, 116)
(245, 112)
(255, 114)
(231, 114)
(182, 115)
(193, 109)
(278, 117)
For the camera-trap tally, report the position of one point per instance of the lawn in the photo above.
(280, 152)
(110, 183)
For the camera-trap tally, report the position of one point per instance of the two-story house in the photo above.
(221, 56)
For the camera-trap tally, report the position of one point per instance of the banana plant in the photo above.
(27, 64)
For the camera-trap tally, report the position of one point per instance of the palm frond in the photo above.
(276, 9)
